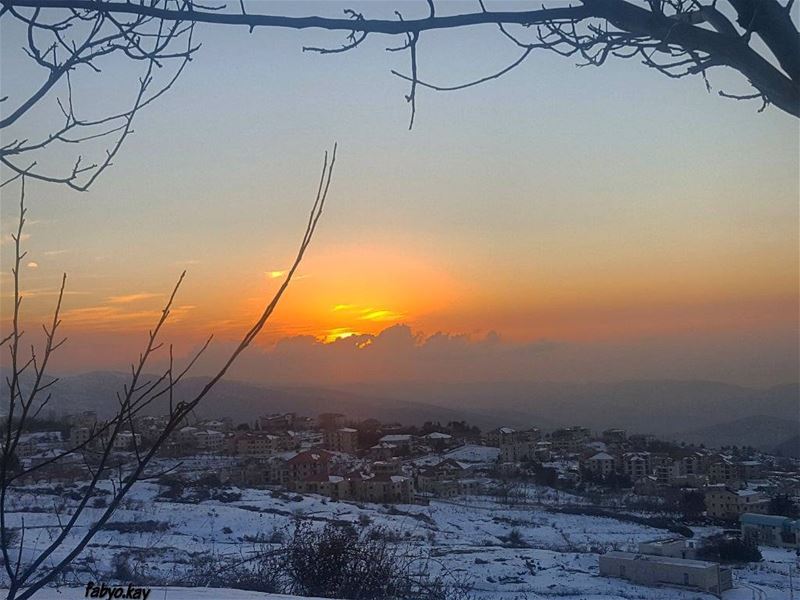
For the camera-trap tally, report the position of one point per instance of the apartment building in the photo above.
(723, 502)
(33, 443)
(402, 441)
(308, 463)
(601, 463)
(570, 439)
(636, 464)
(344, 439)
(385, 489)
(771, 530)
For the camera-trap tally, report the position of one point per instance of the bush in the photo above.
(335, 561)
(730, 550)
(341, 562)
(515, 539)
(226, 496)
(121, 567)
(137, 526)
(173, 487)
(262, 575)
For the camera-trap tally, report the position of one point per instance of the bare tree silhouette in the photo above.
(677, 38)
(61, 44)
(26, 576)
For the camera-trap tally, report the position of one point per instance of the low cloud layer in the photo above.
(399, 354)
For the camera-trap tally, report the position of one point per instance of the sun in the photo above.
(339, 333)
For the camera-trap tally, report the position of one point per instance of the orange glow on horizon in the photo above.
(349, 290)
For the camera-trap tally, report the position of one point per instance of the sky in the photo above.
(558, 223)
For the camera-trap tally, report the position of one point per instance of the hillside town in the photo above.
(751, 496)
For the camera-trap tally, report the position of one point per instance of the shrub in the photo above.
(136, 526)
(341, 562)
(173, 487)
(515, 539)
(730, 550)
(121, 567)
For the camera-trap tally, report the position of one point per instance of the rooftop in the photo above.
(664, 560)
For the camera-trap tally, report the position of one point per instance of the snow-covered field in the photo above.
(175, 593)
(556, 558)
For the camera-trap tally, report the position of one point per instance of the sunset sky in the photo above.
(622, 224)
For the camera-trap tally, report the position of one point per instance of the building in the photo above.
(668, 470)
(125, 440)
(334, 487)
(31, 443)
(78, 436)
(570, 439)
(382, 488)
(652, 570)
(722, 502)
(210, 440)
(494, 437)
(383, 451)
(438, 441)
(723, 470)
(403, 441)
(636, 465)
(601, 464)
(750, 469)
(308, 463)
(615, 436)
(446, 479)
(330, 420)
(359, 487)
(676, 547)
(87, 418)
(344, 439)
(517, 450)
(255, 444)
(278, 422)
(771, 530)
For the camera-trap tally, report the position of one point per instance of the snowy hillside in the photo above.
(505, 551)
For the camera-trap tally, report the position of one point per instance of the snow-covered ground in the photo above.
(556, 558)
(176, 593)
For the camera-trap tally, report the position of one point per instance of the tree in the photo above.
(677, 38)
(727, 550)
(784, 506)
(28, 574)
(692, 504)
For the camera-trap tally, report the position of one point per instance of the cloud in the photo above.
(39, 292)
(275, 274)
(129, 298)
(380, 315)
(54, 252)
(396, 354)
(369, 313)
(33, 265)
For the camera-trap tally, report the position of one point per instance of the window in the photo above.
(685, 579)
(622, 570)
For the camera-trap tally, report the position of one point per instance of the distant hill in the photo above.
(790, 447)
(245, 402)
(663, 408)
(762, 432)
(699, 411)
